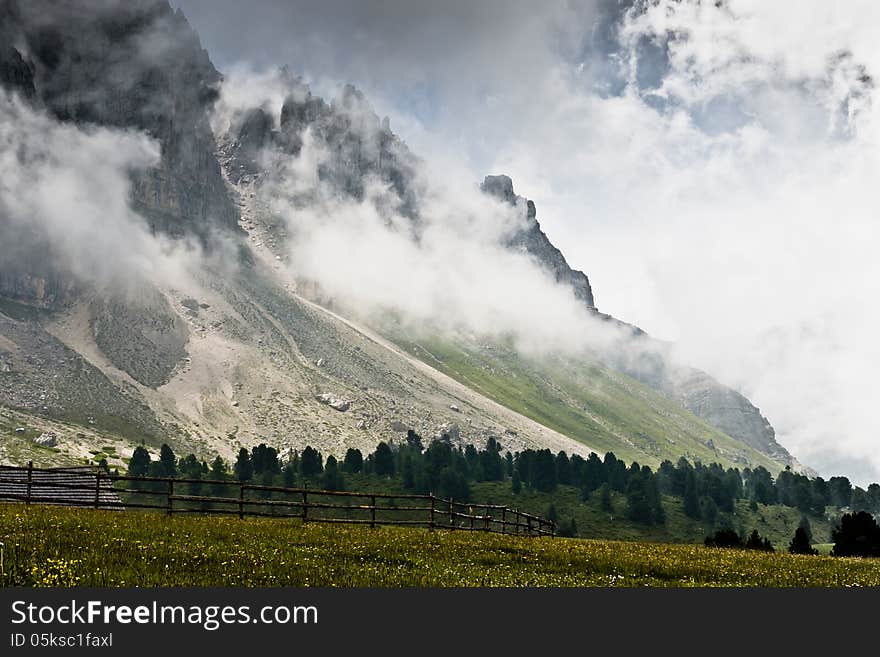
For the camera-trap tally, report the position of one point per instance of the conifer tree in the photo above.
(139, 464)
(605, 497)
(516, 483)
(243, 468)
(691, 500)
(800, 543)
(168, 461)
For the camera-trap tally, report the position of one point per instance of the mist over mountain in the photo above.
(228, 259)
(709, 165)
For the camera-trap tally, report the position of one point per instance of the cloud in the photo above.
(450, 270)
(65, 203)
(728, 206)
(709, 165)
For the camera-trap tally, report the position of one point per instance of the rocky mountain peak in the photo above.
(500, 186)
(534, 241)
(137, 65)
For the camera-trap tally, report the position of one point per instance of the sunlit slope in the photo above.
(586, 401)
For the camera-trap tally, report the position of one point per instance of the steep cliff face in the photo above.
(644, 359)
(16, 73)
(534, 241)
(134, 65)
(348, 140)
(728, 410)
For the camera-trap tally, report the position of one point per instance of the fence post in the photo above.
(305, 507)
(504, 520)
(487, 519)
(97, 488)
(528, 526)
(373, 512)
(452, 513)
(170, 493)
(431, 524)
(30, 480)
(241, 500)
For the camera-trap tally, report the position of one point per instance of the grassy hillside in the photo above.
(47, 546)
(78, 445)
(777, 522)
(588, 402)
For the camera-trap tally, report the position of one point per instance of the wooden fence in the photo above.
(92, 487)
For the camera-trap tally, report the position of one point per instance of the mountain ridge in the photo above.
(248, 358)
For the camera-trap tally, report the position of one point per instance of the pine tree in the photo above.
(568, 529)
(857, 536)
(168, 461)
(383, 460)
(805, 524)
(491, 465)
(218, 468)
(605, 497)
(139, 464)
(408, 471)
(691, 500)
(288, 475)
(638, 504)
(310, 462)
(800, 543)
(563, 469)
(756, 542)
(354, 461)
(516, 483)
(594, 474)
(331, 480)
(544, 471)
(243, 468)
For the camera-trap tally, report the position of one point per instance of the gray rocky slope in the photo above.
(246, 358)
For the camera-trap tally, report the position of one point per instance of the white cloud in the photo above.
(66, 190)
(450, 270)
(752, 240)
(729, 207)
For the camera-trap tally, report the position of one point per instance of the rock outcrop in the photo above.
(643, 358)
(135, 65)
(353, 143)
(534, 241)
(16, 73)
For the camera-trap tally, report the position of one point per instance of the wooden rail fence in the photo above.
(92, 487)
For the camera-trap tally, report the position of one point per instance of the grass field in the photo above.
(47, 546)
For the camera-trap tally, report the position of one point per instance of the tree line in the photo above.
(705, 492)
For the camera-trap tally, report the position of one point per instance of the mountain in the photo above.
(238, 351)
(654, 366)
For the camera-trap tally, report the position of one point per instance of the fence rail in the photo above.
(92, 487)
